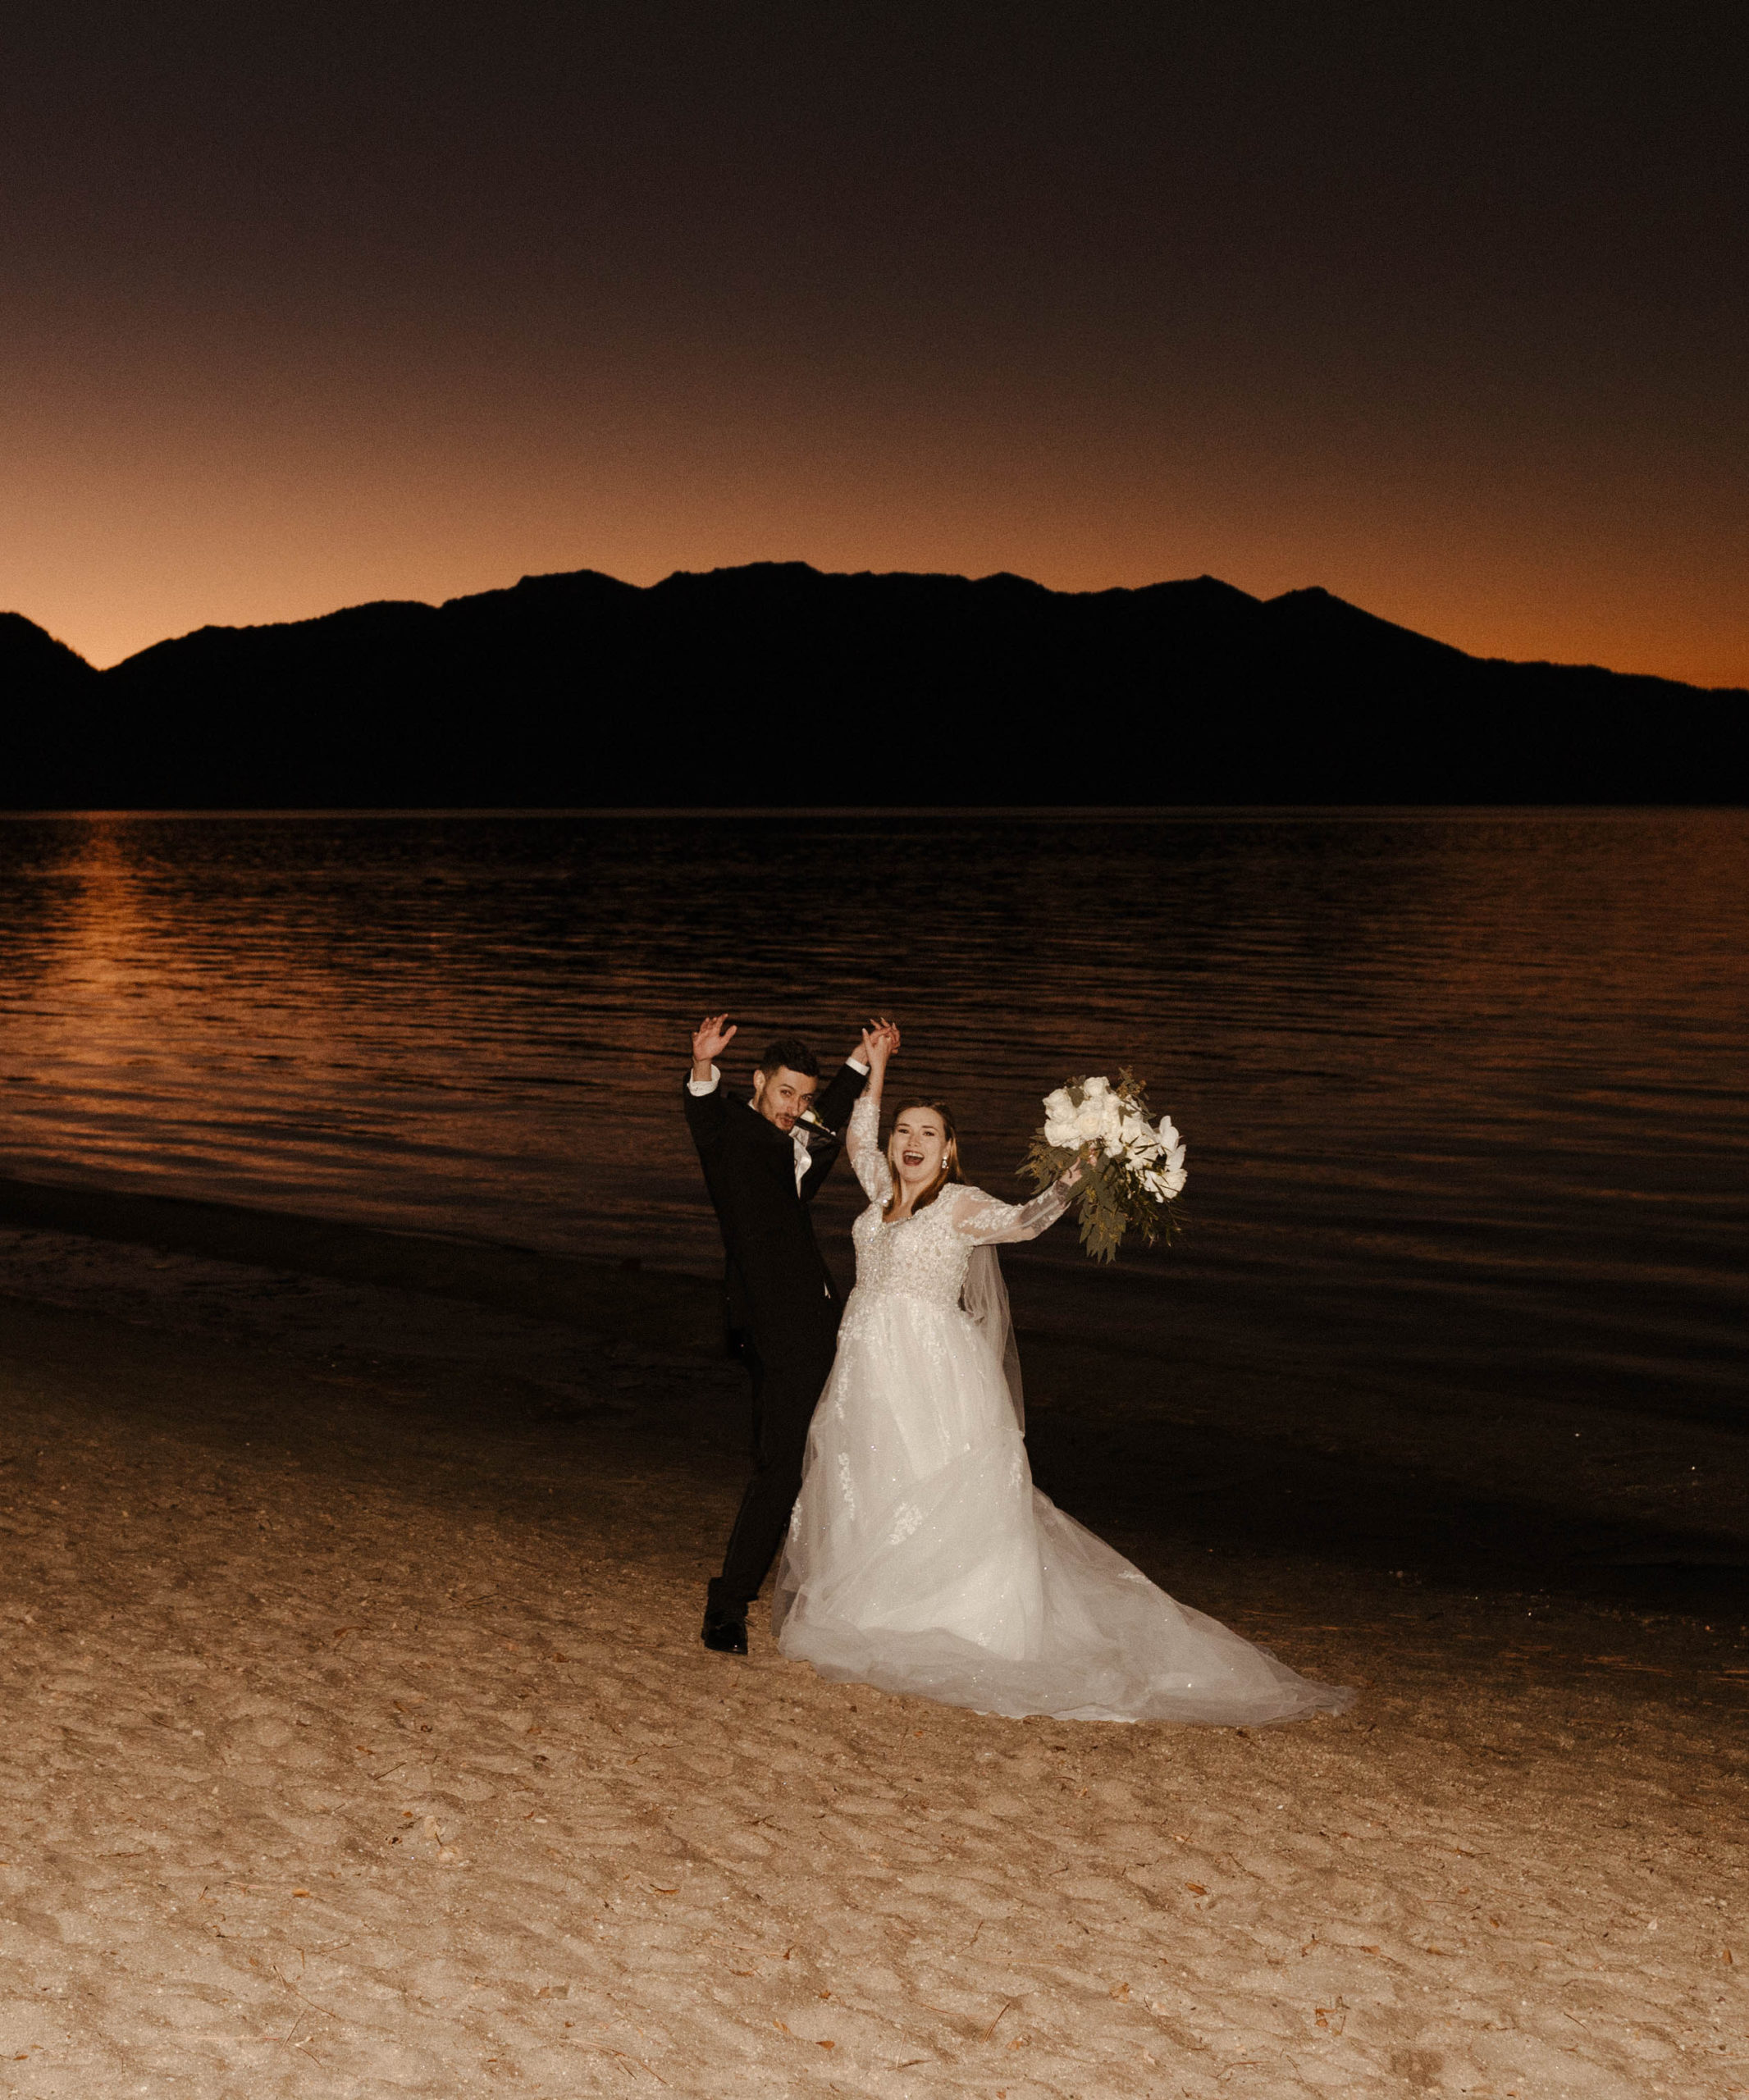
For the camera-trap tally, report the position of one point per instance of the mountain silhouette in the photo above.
(775, 685)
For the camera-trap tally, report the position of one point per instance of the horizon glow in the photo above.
(1449, 325)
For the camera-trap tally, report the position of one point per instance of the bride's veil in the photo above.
(985, 1298)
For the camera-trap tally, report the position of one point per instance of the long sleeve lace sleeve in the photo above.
(987, 1222)
(862, 1142)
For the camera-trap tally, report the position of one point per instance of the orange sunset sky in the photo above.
(332, 306)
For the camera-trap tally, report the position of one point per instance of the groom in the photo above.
(763, 1174)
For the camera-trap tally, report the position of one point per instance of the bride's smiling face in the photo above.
(918, 1145)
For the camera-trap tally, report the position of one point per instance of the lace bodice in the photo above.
(926, 1256)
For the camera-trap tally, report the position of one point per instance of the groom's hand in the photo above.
(710, 1039)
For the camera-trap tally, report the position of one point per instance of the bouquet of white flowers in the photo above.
(1137, 1170)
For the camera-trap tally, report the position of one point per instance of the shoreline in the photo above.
(1582, 1504)
(621, 1301)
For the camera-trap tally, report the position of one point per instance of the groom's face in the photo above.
(781, 1096)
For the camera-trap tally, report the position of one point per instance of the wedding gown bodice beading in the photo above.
(926, 1256)
(920, 1557)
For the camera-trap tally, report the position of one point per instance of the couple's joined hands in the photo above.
(880, 1040)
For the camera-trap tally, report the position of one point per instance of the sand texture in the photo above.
(358, 1742)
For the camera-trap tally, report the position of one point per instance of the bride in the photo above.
(920, 1557)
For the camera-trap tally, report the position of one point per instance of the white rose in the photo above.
(1095, 1089)
(1059, 1107)
(1089, 1120)
(1065, 1134)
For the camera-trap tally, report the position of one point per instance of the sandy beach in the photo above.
(358, 1742)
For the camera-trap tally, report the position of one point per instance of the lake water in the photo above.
(1464, 1092)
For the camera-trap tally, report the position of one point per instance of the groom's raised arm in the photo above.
(705, 1115)
(833, 1108)
(702, 1098)
(834, 1105)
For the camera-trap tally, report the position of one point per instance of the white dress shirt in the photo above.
(804, 1157)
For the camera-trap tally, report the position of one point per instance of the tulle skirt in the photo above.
(922, 1558)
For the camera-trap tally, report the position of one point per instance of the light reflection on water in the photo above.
(1463, 1090)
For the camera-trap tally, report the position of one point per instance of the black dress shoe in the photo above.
(724, 1631)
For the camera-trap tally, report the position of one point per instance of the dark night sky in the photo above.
(1442, 308)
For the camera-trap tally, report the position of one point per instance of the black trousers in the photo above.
(786, 1386)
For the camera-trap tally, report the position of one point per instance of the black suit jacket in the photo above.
(779, 1289)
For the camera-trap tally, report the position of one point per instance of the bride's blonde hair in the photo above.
(950, 1158)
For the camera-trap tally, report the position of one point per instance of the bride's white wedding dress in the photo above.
(920, 1557)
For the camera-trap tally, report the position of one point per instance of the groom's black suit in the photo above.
(782, 1307)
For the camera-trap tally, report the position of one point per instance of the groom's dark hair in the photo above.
(789, 1050)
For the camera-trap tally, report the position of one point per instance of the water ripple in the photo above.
(1461, 1087)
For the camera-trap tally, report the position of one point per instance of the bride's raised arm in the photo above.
(987, 1222)
(862, 1133)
